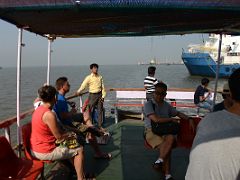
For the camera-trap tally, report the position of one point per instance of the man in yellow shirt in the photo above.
(97, 92)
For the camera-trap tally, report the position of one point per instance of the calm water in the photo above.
(120, 76)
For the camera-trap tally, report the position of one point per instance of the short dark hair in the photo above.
(204, 81)
(151, 70)
(161, 85)
(60, 82)
(47, 93)
(234, 85)
(93, 65)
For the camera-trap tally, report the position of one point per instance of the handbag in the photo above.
(71, 142)
(165, 127)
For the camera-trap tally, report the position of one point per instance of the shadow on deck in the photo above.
(131, 160)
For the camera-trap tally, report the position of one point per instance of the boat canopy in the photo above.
(98, 18)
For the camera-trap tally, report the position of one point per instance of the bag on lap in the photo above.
(71, 142)
(164, 128)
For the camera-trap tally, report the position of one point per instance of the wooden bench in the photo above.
(179, 98)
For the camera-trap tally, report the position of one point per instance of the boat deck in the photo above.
(131, 159)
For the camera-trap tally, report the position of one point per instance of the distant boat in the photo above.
(202, 59)
(152, 62)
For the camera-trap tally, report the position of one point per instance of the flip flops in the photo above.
(103, 156)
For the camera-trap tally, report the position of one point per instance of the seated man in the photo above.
(199, 96)
(227, 100)
(45, 133)
(69, 118)
(158, 110)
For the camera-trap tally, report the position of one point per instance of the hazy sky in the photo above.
(83, 51)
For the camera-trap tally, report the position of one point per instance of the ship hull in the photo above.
(202, 64)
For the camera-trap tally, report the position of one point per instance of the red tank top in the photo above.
(42, 139)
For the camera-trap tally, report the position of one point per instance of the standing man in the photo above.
(97, 92)
(149, 82)
(215, 152)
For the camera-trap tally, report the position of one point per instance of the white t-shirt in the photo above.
(215, 153)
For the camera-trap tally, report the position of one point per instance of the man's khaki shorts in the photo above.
(59, 153)
(153, 139)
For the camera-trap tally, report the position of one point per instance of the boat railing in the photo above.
(7, 123)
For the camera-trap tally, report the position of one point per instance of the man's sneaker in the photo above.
(158, 166)
(169, 178)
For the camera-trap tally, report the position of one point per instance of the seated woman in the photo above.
(45, 132)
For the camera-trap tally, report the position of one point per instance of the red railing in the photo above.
(6, 123)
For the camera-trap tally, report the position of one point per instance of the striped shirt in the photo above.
(149, 83)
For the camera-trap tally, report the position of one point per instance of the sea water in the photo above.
(115, 76)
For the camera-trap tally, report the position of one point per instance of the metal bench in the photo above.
(179, 98)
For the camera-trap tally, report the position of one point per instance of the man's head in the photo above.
(205, 82)
(234, 85)
(160, 92)
(62, 85)
(94, 68)
(151, 70)
(47, 94)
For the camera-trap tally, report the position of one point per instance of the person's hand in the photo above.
(102, 99)
(73, 111)
(77, 94)
(175, 120)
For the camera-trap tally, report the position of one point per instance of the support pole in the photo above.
(80, 103)
(19, 58)
(49, 60)
(218, 67)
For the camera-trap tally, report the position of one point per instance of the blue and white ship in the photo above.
(202, 59)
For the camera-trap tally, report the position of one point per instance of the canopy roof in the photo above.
(91, 18)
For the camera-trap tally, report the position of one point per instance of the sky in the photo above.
(82, 51)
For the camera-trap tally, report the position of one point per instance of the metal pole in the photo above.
(49, 60)
(19, 57)
(80, 103)
(217, 70)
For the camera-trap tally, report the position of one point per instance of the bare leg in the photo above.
(166, 146)
(78, 164)
(167, 164)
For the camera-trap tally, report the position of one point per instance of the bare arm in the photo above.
(185, 117)
(156, 118)
(49, 118)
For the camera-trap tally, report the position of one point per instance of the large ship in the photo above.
(201, 59)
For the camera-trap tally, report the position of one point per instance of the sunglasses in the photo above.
(161, 93)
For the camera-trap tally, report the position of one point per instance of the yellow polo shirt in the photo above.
(94, 84)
